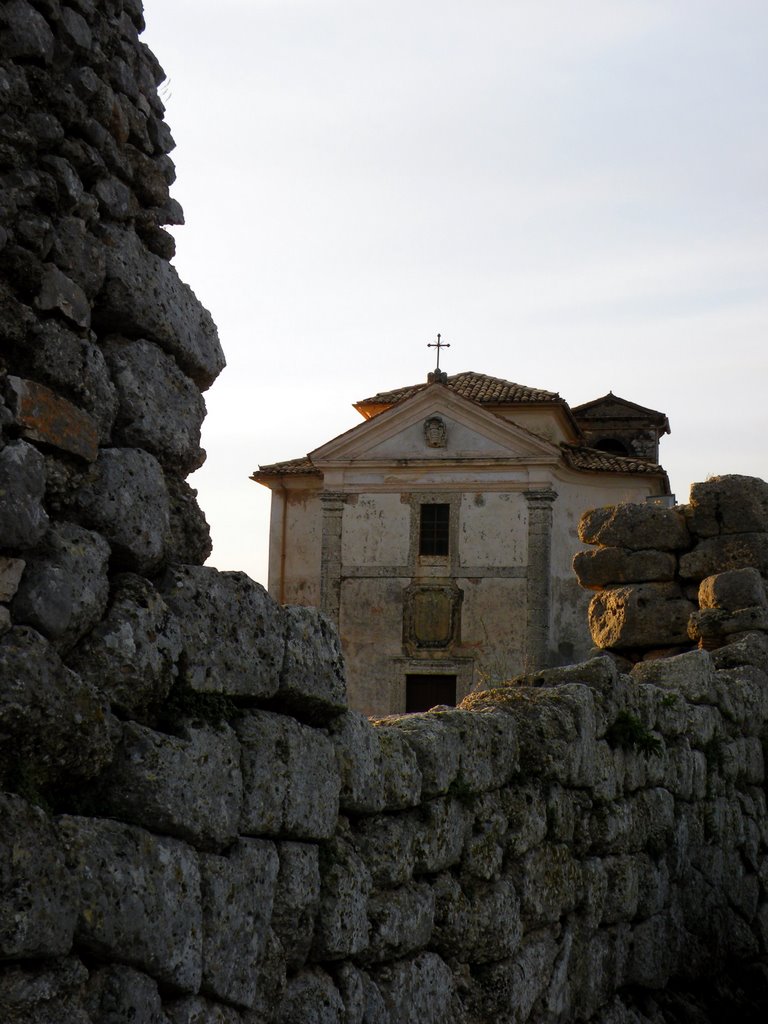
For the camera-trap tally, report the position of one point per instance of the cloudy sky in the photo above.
(574, 194)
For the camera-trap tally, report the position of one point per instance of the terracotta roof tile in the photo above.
(477, 387)
(606, 462)
(290, 466)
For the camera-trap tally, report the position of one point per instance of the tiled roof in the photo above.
(477, 387)
(606, 462)
(291, 466)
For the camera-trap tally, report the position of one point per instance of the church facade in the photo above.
(439, 532)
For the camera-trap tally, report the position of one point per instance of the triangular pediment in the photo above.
(436, 425)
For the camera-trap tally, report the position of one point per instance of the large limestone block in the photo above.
(556, 726)
(23, 520)
(637, 527)
(297, 899)
(526, 812)
(646, 615)
(484, 848)
(38, 898)
(117, 993)
(476, 923)
(125, 498)
(459, 750)
(507, 990)
(731, 591)
(712, 627)
(52, 722)
(143, 297)
(549, 882)
(43, 415)
(312, 682)
(64, 589)
(47, 992)
(159, 408)
(728, 504)
(692, 674)
(342, 928)
(198, 1010)
(724, 553)
(291, 780)
(742, 697)
(132, 654)
(238, 892)
(387, 844)
(401, 775)
(188, 786)
(139, 899)
(623, 888)
(420, 990)
(605, 566)
(358, 754)
(442, 829)
(363, 1003)
(311, 998)
(233, 633)
(401, 921)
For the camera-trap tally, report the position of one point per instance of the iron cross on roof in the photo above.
(438, 345)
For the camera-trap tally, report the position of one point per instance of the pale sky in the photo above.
(574, 194)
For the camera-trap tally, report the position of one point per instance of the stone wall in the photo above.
(195, 828)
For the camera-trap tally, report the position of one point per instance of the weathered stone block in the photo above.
(646, 615)
(44, 993)
(291, 780)
(437, 748)
(52, 723)
(64, 589)
(232, 631)
(387, 845)
(311, 996)
(442, 828)
(713, 626)
(143, 297)
(342, 926)
(548, 880)
(132, 653)
(692, 674)
(45, 416)
(124, 497)
(728, 504)
(197, 1010)
(189, 541)
(73, 367)
(731, 591)
(23, 520)
(401, 921)
(724, 553)
(189, 787)
(637, 527)
(484, 848)
(26, 33)
(363, 1003)
(38, 898)
(297, 898)
(159, 407)
(401, 775)
(139, 898)
(10, 575)
(358, 755)
(237, 892)
(117, 994)
(420, 990)
(60, 294)
(526, 812)
(596, 569)
(312, 682)
(476, 923)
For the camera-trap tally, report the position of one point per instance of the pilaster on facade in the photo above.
(332, 503)
(539, 577)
